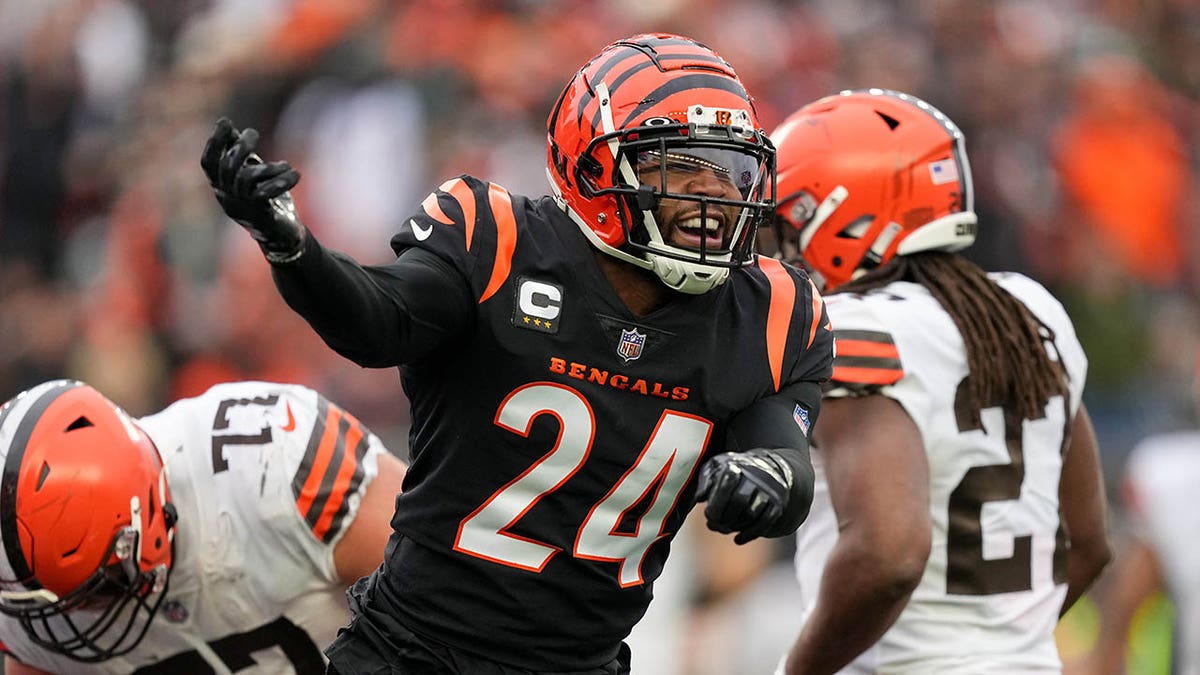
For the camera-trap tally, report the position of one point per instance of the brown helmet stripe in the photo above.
(8, 483)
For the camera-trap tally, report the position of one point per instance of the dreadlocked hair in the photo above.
(1006, 344)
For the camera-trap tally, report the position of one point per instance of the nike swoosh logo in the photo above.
(421, 233)
(291, 423)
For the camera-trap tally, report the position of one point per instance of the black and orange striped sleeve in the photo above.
(865, 361)
(470, 223)
(331, 470)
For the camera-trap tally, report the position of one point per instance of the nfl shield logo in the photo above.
(630, 346)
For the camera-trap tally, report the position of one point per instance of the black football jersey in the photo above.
(556, 442)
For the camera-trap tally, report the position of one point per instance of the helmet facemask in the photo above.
(107, 615)
(708, 231)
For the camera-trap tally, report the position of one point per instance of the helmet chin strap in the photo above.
(678, 275)
(687, 277)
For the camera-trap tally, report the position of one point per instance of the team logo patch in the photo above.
(943, 171)
(538, 305)
(801, 417)
(630, 345)
(174, 611)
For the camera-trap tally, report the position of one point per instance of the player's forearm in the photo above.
(1085, 562)
(862, 593)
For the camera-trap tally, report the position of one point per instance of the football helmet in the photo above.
(869, 174)
(86, 523)
(659, 120)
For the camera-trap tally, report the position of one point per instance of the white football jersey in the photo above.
(266, 478)
(995, 581)
(1160, 486)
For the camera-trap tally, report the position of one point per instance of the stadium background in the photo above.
(116, 267)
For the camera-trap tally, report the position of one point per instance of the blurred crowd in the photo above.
(116, 266)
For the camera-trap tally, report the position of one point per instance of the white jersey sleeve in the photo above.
(995, 580)
(266, 478)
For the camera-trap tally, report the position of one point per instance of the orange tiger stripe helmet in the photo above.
(86, 523)
(661, 100)
(869, 174)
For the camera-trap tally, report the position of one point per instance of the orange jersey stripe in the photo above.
(462, 194)
(506, 238)
(320, 462)
(341, 482)
(779, 314)
(434, 210)
(852, 375)
(867, 348)
(816, 306)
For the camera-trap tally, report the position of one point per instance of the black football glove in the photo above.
(254, 193)
(747, 493)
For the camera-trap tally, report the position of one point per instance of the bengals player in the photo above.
(217, 535)
(582, 367)
(956, 462)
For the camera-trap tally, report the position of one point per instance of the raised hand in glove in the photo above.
(748, 493)
(254, 193)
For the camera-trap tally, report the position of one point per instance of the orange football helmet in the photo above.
(869, 174)
(86, 523)
(660, 100)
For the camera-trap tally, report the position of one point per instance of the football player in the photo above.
(582, 367)
(1161, 553)
(955, 461)
(218, 535)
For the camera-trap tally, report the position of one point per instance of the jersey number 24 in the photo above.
(659, 473)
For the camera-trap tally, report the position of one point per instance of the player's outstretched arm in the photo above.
(361, 549)
(1081, 493)
(765, 490)
(878, 479)
(376, 316)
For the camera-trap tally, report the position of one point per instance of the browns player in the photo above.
(217, 535)
(955, 460)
